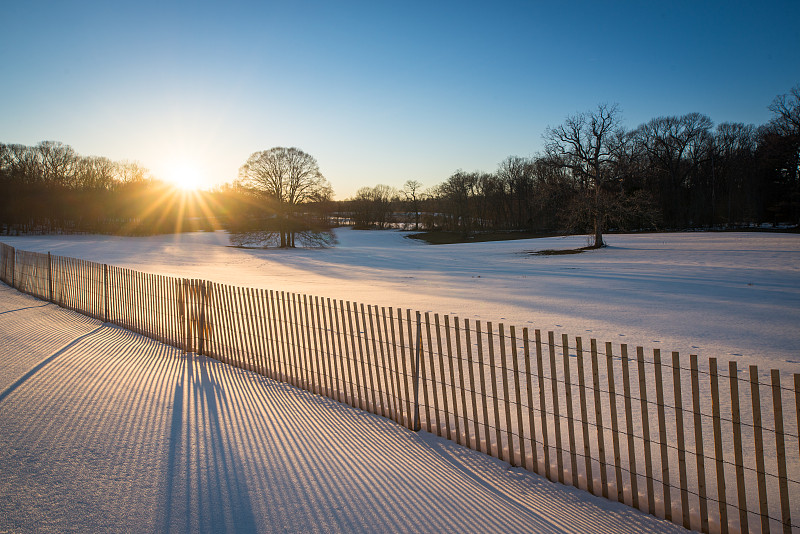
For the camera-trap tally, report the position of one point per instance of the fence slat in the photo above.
(416, 358)
(442, 375)
(543, 405)
(459, 358)
(626, 388)
(429, 420)
(662, 435)
(487, 444)
(612, 402)
(573, 457)
(517, 397)
(506, 396)
(598, 414)
(715, 409)
(698, 441)
(551, 344)
(329, 359)
(398, 371)
(312, 348)
(755, 395)
(493, 379)
(300, 324)
(250, 324)
(470, 367)
(587, 451)
(277, 332)
(645, 412)
(744, 527)
(356, 398)
(364, 355)
(409, 416)
(456, 412)
(681, 443)
(263, 327)
(783, 485)
(336, 350)
(531, 415)
(384, 368)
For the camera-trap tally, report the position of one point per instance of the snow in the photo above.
(726, 295)
(104, 430)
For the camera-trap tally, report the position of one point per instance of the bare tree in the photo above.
(288, 178)
(412, 191)
(584, 146)
(787, 112)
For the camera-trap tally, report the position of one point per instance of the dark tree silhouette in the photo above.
(583, 144)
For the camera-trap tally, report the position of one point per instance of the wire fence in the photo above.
(710, 451)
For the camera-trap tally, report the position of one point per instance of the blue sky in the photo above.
(378, 92)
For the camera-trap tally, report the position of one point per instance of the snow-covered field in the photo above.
(727, 295)
(103, 430)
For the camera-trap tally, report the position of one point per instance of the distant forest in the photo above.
(672, 172)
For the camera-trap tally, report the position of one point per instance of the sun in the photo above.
(184, 175)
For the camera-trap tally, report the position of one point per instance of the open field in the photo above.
(726, 295)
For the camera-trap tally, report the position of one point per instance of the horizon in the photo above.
(377, 94)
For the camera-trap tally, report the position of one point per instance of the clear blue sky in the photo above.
(378, 92)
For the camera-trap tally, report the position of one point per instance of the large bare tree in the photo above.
(288, 178)
(585, 145)
(412, 191)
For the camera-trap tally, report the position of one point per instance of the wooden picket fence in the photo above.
(693, 445)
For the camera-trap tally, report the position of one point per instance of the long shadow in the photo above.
(203, 468)
(46, 361)
(175, 442)
(220, 453)
(26, 308)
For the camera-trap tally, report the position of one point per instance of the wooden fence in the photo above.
(692, 444)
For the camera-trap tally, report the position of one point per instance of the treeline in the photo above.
(671, 172)
(592, 176)
(49, 188)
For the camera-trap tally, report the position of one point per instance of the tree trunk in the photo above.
(598, 219)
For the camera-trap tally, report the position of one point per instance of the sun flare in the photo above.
(184, 175)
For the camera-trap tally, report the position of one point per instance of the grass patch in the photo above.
(448, 238)
(550, 252)
(562, 252)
